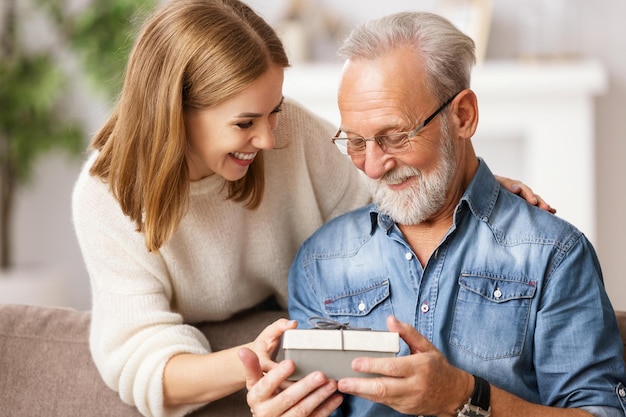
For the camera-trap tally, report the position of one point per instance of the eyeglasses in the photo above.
(392, 143)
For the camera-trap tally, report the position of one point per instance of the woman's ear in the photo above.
(465, 113)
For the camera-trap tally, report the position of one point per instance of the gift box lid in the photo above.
(362, 340)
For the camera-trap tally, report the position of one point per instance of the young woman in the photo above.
(195, 199)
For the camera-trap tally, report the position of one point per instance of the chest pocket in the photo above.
(491, 315)
(366, 306)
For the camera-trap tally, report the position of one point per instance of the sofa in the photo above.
(46, 368)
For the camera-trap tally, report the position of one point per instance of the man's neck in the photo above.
(425, 237)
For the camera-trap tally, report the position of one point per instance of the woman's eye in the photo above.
(277, 110)
(245, 125)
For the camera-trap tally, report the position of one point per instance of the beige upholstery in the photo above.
(46, 368)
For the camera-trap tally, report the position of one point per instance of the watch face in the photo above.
(470, 410)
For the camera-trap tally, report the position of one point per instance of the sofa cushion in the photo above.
(46, 367)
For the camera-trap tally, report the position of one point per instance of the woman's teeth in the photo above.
(244, 156)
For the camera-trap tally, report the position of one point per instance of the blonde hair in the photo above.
(191, 54)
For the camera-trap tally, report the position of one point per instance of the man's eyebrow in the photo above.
(381, 131)
(252, 115)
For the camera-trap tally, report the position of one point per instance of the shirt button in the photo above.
(497, 293)
(408, 256)
(425, 307)
(622, 392)
(362, 306)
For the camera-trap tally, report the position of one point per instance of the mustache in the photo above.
(396, 176)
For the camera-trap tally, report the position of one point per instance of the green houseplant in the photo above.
(33, 84)
(31, 119)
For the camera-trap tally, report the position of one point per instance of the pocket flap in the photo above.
(497, 288)
(357, 302)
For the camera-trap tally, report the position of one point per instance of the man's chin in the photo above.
(403, 216)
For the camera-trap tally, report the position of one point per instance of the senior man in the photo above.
(501, 305)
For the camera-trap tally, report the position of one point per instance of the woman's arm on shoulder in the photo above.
(524, 191)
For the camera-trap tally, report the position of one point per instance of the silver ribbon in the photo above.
(325, 323)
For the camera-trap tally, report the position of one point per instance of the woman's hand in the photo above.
(266, 345)
(524, 191)
(269, 391)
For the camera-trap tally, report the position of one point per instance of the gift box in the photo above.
(332, 351)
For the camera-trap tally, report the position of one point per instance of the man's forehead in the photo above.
(387, 77)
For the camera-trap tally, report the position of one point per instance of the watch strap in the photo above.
(478, 403)
(481, 396)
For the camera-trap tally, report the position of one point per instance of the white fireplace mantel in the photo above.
(536, 124)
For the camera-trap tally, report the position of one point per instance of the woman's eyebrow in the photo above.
(252, 115)
(248, 115)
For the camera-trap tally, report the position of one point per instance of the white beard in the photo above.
(425, 196)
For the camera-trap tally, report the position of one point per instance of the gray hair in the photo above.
(447, 54)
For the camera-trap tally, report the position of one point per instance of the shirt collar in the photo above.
(480, 196)
(482, 192)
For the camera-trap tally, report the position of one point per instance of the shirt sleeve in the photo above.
(303, 301)
(133, 331)
(575, 367)
(604, 411)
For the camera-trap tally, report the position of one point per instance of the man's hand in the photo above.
(422, 383)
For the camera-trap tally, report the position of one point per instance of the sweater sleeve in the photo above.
(134, 330)
(337, 184)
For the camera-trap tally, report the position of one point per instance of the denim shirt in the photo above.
(512, 293)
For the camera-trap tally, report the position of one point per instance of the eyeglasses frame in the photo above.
(411, 134)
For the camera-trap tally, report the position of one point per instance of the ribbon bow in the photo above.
(324, 323)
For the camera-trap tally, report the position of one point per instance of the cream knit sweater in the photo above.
(221, 260)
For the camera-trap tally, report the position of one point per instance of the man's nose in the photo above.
(375, 161)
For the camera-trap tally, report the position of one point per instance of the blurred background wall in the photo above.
(587, 30)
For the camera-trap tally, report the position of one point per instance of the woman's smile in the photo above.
(243, 158)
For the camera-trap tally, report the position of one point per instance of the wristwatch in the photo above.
(478, 404)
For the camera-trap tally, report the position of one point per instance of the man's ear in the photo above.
(465, 113)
